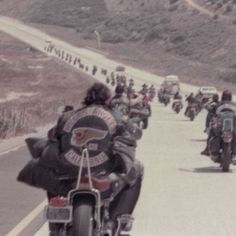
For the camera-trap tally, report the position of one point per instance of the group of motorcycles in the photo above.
(141, 111)
(165, 98)
(192, 109)
(221, 131)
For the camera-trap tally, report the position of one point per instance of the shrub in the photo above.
(228, 76)
(173, 1)
(173, 8)
(228, 8)
(113, 37)
(12, 121)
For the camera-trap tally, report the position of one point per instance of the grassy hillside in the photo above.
(168, 29)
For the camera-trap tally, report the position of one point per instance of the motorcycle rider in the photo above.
(122, 102)
(43, 172)
(152, 91)
(144, 89)
(190, 99)
(211, 108)
(226, 98)
(177, 98)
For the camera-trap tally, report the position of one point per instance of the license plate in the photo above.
(58, 214)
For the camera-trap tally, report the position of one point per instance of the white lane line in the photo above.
(12, 149)
(27, 220)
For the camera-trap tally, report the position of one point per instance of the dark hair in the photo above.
(226, 95)
(98, 94)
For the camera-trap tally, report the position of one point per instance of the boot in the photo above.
(205, 152)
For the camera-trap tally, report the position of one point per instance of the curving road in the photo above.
(183, 194)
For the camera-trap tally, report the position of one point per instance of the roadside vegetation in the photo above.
(37, 86)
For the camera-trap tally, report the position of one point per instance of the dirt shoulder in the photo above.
(33, 86)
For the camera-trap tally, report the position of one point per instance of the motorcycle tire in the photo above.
(83, 224)
(58, 230)
(177, 109)
(145, 123)
(226, 157)
(191, 116)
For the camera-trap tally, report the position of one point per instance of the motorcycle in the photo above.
(142, 113)
(223, 128)
(177, 106)
(191, 111)
(166, 99)
(85, 210)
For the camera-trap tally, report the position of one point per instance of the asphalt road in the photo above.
(183, 193)
(16, 199)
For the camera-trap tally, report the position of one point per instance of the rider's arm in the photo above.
(124, 146)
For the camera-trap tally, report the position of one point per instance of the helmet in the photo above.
(226, 95)
(119, 89)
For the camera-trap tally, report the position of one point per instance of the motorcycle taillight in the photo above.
(58, 202)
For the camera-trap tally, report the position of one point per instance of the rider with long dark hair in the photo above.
(118, 145)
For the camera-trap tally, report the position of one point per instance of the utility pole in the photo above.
(98, 36)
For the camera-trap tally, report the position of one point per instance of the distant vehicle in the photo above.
(207, 93)
(120, 68)
(171, 84)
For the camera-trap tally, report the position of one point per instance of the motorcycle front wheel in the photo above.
(83, 223)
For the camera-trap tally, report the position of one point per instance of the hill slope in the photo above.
(162, 36)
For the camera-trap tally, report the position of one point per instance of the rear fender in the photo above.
(77, 195)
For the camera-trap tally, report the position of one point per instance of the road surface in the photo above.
(183, 194)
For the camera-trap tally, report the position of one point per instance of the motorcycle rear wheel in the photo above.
(83, 224)
(145, 123)
(191, 115)
(226, 157)
(177, 109)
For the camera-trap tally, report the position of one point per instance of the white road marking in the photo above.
(27, 220)
(187, 192)
(12, 149)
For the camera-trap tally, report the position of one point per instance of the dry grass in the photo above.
(41, 83)
(13, 120)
